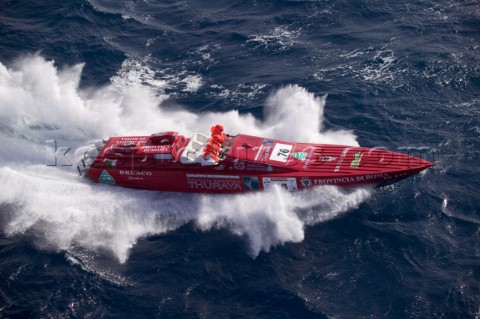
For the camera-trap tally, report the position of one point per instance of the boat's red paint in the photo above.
(168, 162)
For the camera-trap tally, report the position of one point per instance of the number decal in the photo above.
(280, 152)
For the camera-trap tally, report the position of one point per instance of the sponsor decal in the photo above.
(133, 138)
(342, 157)
(128, 143)
(299, 155)
(333, 181)
(268, 142)
(349, 180)
(251, 183)
(157, 148)
(264, 150)
(213, 176)
(327, 158)
(357, 157)
(309, 157)
(266, 153)
(280, 152)
(259, 152)
(256, 167)
(135, 178)
(287, 183)
(111, 163)
(136, 173)
(239, 165)
(368, 177)
(400, 175)
(214, 182)
(106, 178)
(306, 182)
(124, 146)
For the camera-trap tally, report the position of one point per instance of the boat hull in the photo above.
(249, 164)
(235, 182)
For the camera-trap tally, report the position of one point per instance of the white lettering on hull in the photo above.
(136, 173)
(349, 180)
(214, 184)
(333, 181)
(213, 176)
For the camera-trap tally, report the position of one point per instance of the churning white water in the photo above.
(40, 103)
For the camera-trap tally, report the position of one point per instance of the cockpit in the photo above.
(203, 149)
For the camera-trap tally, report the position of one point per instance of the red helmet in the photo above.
(217, 128)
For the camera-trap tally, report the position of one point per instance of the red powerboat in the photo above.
(169, 161)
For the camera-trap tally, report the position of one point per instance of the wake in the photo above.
(39, 103)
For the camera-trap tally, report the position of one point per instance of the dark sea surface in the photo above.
(404, 75)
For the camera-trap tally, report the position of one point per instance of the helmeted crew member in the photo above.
(217, 147)
(210, 152)
(216, 140)
(217, 130)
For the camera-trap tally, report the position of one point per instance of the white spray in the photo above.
(39, 103)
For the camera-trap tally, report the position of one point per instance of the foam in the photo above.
(38, 102)
(279, 39)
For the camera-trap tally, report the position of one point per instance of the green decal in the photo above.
(299, 155)
(356, 160)
(106, 178)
